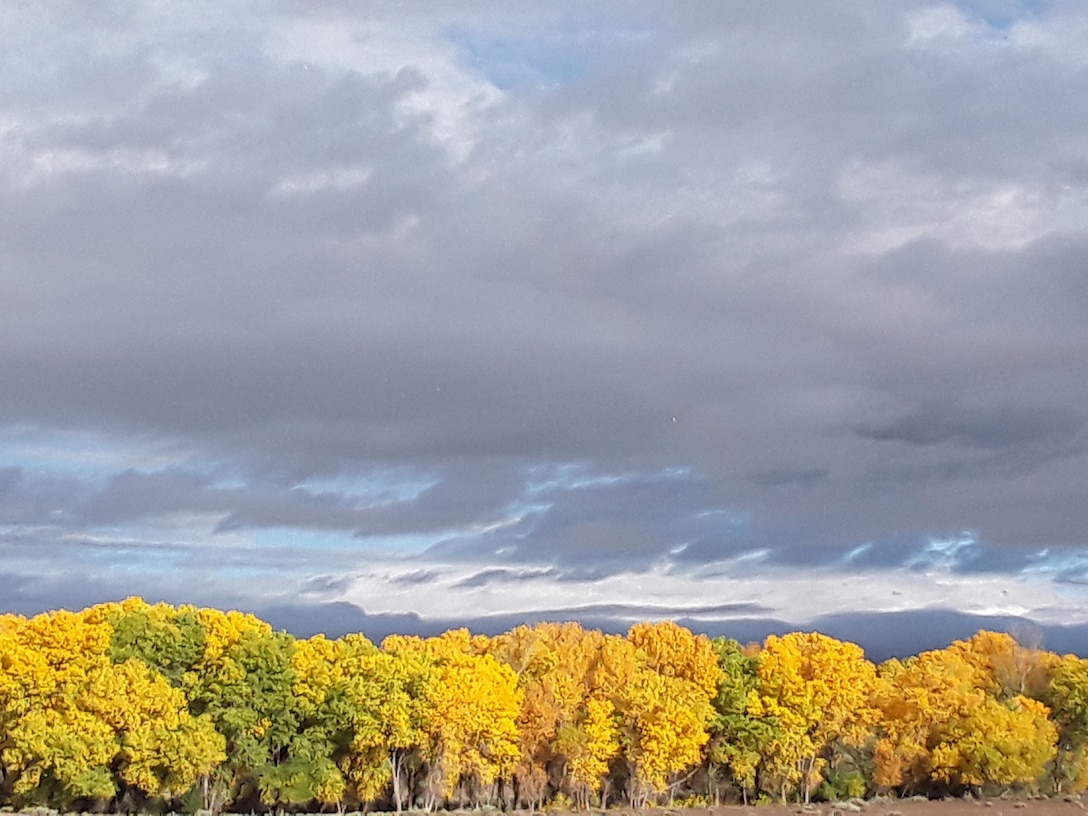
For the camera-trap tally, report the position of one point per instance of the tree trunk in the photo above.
(807, 767)
(394, 766)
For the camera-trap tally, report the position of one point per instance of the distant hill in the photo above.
(882, 635)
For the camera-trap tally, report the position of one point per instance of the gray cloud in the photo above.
(991, 427)
(769, 278)
(501, 576)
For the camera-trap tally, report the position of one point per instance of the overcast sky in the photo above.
(707, 309)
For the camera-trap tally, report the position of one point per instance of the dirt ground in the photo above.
(1062, 806)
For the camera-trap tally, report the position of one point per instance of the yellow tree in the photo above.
(671, 697)
(78, 725)
(943, 724)
(589, 745)
(1001, 744)
(550, 698)
(1067, 697)
(25, 672)
(54, 749)
(659, 681)
(1007, 668)
(388, 700)
(664, 729)
(818, 691)
(673, 651)
(163, 750)
(474, 710)
(567, 737)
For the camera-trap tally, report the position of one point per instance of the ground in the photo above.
(1061, 806)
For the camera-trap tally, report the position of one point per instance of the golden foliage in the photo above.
(166, 700)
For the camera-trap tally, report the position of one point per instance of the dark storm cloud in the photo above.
(581, 520)
(9, 478)
(502, 576)
(803, 280)
(777, 477)
(416, 577)
(324, 585)
(992, 427)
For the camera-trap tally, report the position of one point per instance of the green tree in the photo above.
(244, 683)
(169, 640)
(1067, 696)
(78, 726)
(739, 741)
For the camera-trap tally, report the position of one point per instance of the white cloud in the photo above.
(450, 101)
(940, 27)
(339, 178)
(1063, 38)
(795, 596)
(897, 205)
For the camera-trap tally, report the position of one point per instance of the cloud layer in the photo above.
(472, 309)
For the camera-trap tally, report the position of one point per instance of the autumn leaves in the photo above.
(196, 708)
(78, 725)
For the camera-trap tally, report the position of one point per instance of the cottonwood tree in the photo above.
(739, 740)
(390, 704)
(566, 737)
(947, 720)
(472, 722)
(79, 726)
(1067, 697)
(818, 692)
(244, 682)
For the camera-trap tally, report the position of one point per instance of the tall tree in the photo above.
(949, 721)
(244, 682)
(819, 692)
(475, 707)
(390, 703)
(79, 726)
(1067, 696)
(739, 740)
(566, 736)
(659, 682)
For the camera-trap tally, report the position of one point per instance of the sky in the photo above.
(414, 314)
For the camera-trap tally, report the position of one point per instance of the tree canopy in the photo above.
(131, 704)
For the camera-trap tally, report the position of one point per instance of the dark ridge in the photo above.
(881, 634)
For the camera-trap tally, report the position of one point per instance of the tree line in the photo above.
(134, 706)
